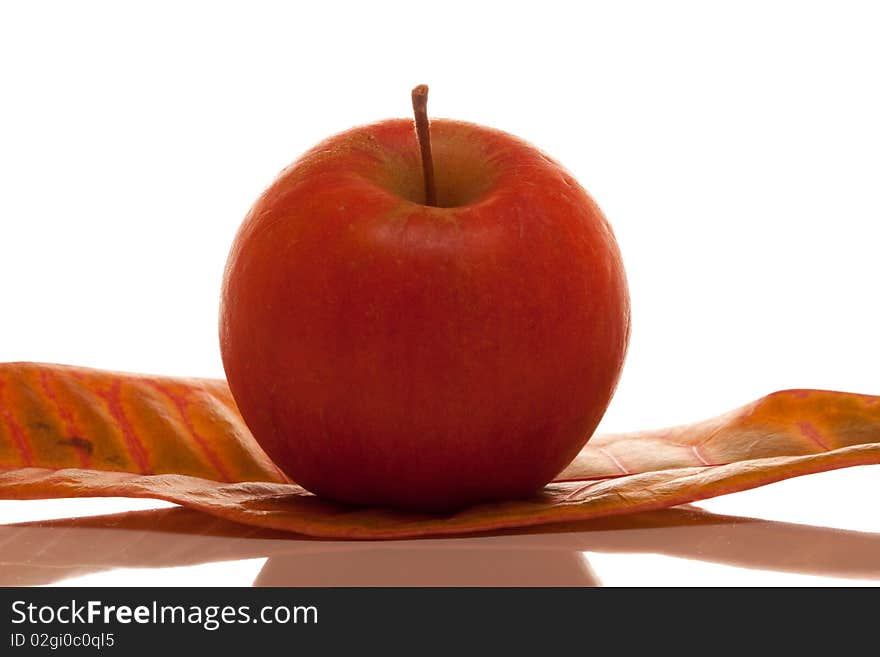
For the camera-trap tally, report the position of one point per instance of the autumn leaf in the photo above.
(56, 416)
(785, 423)
(74, 432)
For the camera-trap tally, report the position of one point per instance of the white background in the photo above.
(734, 147)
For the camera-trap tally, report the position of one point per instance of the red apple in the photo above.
(388, 352)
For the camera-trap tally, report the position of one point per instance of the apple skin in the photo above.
(388, 353)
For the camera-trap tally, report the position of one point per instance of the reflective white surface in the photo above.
(818, 530)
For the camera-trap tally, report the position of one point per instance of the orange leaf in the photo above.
(189, 430)
(57, 416)
(785, 423)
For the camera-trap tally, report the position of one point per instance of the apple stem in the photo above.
(423, 132)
